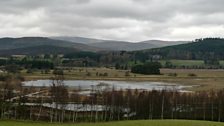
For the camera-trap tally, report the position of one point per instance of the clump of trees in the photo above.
(32, 63)
(121, 67)
(214, 62)
(147, 68)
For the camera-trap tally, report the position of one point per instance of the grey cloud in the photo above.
(132, 20)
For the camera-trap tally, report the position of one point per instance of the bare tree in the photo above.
(59, 94)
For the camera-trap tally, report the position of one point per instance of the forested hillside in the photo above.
(208, 48)
(31, 42)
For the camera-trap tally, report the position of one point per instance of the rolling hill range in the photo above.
(120, 45)
(36, 50)
(34, 45)
(128, 46)
(82, 40)
(200, 49)
(162, 43)
(44, 45)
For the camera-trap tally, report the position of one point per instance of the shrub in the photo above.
(192, 75)
(88, 74)
(172, 74)
(105, 74)
(127, 73)
(147, 68)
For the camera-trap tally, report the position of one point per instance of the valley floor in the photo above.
(205, 79)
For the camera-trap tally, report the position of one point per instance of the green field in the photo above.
(179, 63)
(121, 123)
(185, 62)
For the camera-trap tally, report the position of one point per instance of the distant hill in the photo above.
(120, 45)
(162, 43)
(37, 50)
(78, 39)
(199, 49)
(129, 46)
(30, 45)
(31, 42)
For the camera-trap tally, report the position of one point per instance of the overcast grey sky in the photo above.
(131, 20)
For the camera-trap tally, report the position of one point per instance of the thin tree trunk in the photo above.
(204, 109)
(73, 114)
(219, 116)
(212, 110)
(162, 107)
(40, 110)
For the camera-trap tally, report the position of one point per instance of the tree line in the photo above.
(115, 104)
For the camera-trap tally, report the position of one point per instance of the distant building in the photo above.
(18, 56)
(156, 58)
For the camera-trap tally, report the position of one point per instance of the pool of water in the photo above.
(117, 85)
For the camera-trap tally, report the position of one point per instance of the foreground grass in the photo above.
(121, 123)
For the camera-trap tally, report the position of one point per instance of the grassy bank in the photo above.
(121, 123)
